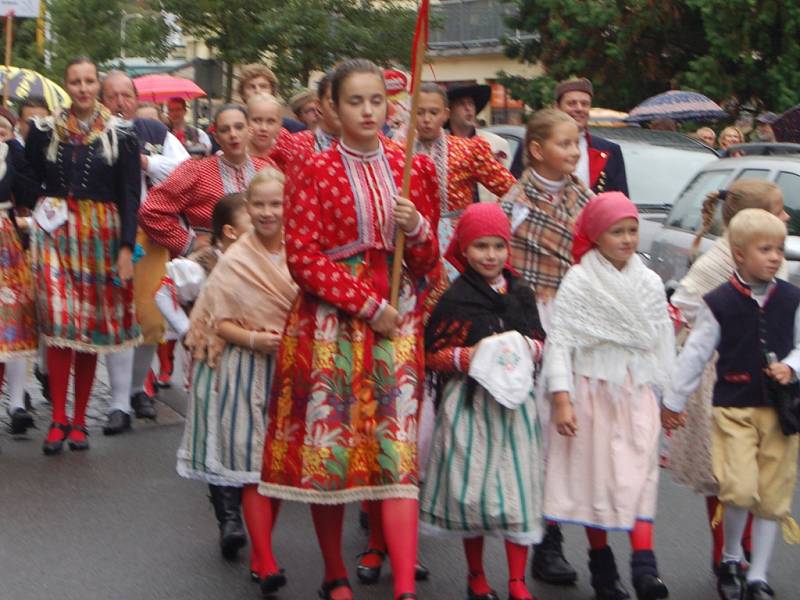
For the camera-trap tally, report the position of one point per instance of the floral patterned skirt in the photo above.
(18, 336)
(343, 413)
(79, 304)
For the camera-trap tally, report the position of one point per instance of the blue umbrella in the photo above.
(677, 105)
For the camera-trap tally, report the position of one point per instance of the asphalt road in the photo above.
(118, 523)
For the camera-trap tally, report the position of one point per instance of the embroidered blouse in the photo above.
(182, 205)
(341, 206)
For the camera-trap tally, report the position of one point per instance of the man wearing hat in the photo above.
(305, 106)
(601, 166)
(466, 102)
(764, 132)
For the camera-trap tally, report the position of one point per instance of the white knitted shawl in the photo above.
(614, 322)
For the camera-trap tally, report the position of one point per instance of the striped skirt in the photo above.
(485, 472)
(78, 303)
(18, 335)
(223, 439)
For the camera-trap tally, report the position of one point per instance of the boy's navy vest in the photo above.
(747, 333)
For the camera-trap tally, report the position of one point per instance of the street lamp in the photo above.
(122, 25)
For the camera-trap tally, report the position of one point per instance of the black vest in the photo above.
(151, 135)
(747, 333)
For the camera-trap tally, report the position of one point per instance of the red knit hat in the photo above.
(477, 221)
(600, 213)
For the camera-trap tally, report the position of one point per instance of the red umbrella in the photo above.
(160, 88)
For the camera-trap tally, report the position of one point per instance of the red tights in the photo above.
(399, 520)
(2, 373)
(59, 364)
(717, 536)
(260, 515)
(641, 536)
(166, 359)
(517, 557)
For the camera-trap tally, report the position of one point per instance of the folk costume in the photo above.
(18, 334)
(343, 414)
(485, 473)
(754, 461)
(92, 184)
(611, 342)
(690, 446)
(224, 435)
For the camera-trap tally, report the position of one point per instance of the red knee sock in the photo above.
(59, 365)
(473, 550)
(328, 525)
(401, 529)
(598, 538)
(642, 536)
(517, 557)
(717, 536)
(166, 359)
(259, 520)
(376, 540)
(85, 365)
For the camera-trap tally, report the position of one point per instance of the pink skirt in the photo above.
(607, 475)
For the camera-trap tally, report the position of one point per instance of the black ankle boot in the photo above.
(605, 577)
(548, 563)
(644, 573)
(227, 502)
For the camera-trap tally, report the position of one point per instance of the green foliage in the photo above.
(744, 51)
(298, 36)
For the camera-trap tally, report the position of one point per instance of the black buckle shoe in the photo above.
(21, 421)
(421, 572)
(78, 445)
(759, 590)
(369, 575)
(55, 447)
(730, 581)
(118, 422)
(644, 574)
(548, 563)
(329, 586)
(491, 595)
(272, 583)
(143, 406)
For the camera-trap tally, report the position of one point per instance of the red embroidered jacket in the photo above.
(470, 161)
(327, 222)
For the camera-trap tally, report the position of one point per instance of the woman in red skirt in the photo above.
(82, 242)
(343, 412)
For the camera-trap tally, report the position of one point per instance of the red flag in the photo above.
(420, 38)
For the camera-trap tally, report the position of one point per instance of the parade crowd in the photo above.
(519, 384)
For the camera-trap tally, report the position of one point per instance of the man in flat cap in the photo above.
(601, 166)
(764, 132)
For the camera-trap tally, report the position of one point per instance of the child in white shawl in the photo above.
(611, 343)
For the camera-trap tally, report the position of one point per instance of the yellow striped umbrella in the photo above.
(23, 83)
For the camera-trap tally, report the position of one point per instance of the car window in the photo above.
(687, 211)
(753, 174)
(656, 175)
(790, 186)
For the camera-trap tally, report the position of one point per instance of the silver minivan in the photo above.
(671, 248)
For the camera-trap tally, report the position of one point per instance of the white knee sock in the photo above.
(16, 373)
(120, 373)
(764, 534)
(142, 362)
(733, 526)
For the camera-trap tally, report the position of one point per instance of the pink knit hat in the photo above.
(597, 216)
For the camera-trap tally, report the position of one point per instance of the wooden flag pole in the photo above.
(400, 239)
(9, 45)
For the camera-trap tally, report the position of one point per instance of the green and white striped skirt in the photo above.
(485, 473)
(223, 439)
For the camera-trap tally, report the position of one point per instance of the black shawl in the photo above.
(471, 310)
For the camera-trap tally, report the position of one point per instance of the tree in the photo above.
(94, 28)
(297, 36)
(631, 50)
(747, 51)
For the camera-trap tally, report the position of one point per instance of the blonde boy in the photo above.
(746, 320)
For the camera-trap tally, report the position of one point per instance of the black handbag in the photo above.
(786, 400)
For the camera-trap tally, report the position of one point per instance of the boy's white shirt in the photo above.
(699, 349)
